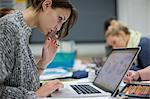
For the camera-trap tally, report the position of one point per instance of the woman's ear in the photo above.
(46, 4)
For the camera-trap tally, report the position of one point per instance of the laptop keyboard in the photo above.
(84, 89)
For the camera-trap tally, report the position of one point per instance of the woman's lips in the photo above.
(49, 33)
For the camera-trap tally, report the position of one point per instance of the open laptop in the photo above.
(108, 79)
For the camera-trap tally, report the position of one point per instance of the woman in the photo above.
(139, 75)
(19, 74)
(119, 36)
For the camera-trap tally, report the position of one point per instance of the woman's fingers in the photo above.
(49, 87)
(53, 42)
(129, 77)
(55, 85)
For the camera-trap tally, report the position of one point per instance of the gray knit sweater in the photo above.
(19, 77)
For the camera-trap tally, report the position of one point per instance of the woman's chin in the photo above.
(44, 32)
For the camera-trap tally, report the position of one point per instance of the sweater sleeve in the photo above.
(144, 55)
(7, 64)
(9, 92)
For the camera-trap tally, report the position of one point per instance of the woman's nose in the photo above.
(114, 46)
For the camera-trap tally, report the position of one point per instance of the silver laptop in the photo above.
(108, 79)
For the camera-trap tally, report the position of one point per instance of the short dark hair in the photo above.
(64, 31)
(108, 22)
(4, 11)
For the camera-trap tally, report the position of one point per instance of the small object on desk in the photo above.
(80, 74)
(136, 90)
(55, 73)
(99, 61)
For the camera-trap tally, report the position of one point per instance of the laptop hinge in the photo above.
(115, 93)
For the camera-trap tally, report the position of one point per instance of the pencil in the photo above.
(125, 90)
(149, 91)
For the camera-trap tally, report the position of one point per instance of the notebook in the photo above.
(108, 79)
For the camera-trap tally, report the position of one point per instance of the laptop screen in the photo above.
(115, 68)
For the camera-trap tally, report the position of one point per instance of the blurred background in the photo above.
(88, 33)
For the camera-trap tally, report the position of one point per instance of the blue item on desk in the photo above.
(63, 60)
(79, 74)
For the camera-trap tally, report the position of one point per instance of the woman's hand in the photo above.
(48, 52)
(48, 88)
(131, 76)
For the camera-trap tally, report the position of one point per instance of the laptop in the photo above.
(107, 81)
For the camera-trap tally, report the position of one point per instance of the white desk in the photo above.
(85, 98)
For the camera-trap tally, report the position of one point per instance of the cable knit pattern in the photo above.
(19, 77)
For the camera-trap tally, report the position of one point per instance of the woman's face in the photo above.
(51, 20)
(116, 41)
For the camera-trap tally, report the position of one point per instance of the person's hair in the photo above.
(115, 27)
(107, 23)
(4, 11)
(64, 31)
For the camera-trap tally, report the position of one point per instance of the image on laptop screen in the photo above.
(114, 69)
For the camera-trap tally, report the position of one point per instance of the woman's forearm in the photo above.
(40, 66)
(145, 73)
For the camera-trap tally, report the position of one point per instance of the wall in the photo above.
(89, 26)
(83, 50)
(134, 13)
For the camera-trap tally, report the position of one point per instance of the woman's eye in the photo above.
(60, 18)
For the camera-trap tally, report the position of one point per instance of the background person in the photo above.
(119, 36)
